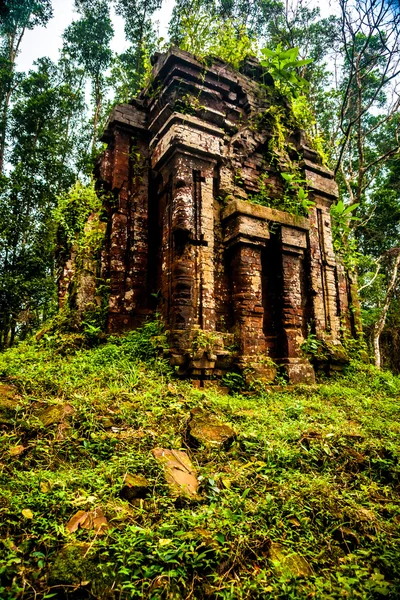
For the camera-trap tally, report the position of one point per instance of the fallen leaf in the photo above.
(28, 514)
(294, 522)
(94, 519)
(164, 541)
(44, 487)
(75, 521)
(16, 450)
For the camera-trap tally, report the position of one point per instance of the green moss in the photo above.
(314, 470)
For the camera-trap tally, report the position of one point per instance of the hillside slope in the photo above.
(304, 503)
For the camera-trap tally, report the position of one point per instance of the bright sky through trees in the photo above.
(46, 41)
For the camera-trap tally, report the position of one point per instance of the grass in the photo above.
(314, 469)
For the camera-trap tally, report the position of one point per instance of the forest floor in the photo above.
(304, 503)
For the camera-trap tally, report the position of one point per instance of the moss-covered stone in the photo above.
(8, 402)
(205, 429)
(77, 565)
(288, 563)
(135, 486)
(179, 473)
(55, 413)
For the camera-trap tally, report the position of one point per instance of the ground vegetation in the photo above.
(302, 502)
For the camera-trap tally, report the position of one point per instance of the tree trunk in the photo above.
(7, 99)
(380, 324)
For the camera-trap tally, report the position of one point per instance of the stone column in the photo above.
(206, 252)
(324, 281)
(184, 268)
(247, 299)
(119, 231)
(297, 366)
(135, 298)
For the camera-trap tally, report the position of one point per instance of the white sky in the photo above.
(46, 41)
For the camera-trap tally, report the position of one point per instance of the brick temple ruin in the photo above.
(238, 285)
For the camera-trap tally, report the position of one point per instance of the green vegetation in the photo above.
(295, 198)
(313, 473)
(304, 504)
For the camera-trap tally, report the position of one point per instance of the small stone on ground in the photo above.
(179, 472)
(206, 429)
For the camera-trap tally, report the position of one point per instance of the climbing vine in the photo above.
(295, 199)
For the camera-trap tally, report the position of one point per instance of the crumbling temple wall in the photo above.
(238, 284)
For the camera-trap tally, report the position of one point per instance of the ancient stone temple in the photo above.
(238, 284)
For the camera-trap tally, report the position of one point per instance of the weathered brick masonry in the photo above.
(237, 283)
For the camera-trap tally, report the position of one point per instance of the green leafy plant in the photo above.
(263, 195)
(74, 209)
(283, 66)
(226, 39)
(344, 241)
(296, 198)
(311, 346)
(204, 340)
(234, 381)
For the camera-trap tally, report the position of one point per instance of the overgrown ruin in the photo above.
(239, 285)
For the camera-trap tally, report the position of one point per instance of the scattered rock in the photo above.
(136, 486)
(94, 519)
(8, 402)
(286, 562)
(179, 472)
(74, 566)
(364, 514)
(206, 429)
(55, 413)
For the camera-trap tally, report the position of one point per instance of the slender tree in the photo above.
(17, 17)
(87, 44)
(41, 166)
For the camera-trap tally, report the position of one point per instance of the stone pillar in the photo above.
(184, 268)
(247, 299)
(298, 368)
(206, 252)
(324, 275)
(119, 231)
(135, 297)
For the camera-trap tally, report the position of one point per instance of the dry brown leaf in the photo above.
(294, 522)
(75, 521)
(17, 450)
(94, 519)
(44, 487)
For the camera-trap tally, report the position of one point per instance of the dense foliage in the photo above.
(304, 503)
(313, 473)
